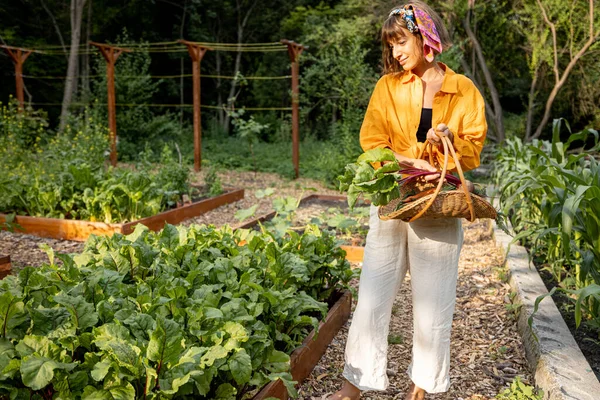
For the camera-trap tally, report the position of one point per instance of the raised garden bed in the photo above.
(354, 253)
(296, 307)
(5, 266)
(304, 358)
(79, 230)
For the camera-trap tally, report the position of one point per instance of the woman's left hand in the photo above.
(433, 136)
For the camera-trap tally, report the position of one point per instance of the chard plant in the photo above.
(382, 185)
(184, 313)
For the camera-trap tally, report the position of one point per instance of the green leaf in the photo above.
(288, 382)
(246, 213)
(140, 325)
(78, 381)
(240, 366)
(226, 391)
(12, 313)
(364, 173)
(49, 251)
(386, 169)
(592, 290)
(45, 320)
(41, 345)
(278, 361)
(237, 333)
(115, 341)
(166, 342)
(169, 237)
(38, 371)
(83, 314)
(214, 353)
(377, 155)
(353, 193)
(123, 391)
(100, 370)
(259, 194)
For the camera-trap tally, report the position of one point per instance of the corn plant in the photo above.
(552, 196)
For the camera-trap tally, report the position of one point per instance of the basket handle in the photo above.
(448, 148)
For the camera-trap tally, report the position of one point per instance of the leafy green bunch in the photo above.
(380, 186)
(184, 313)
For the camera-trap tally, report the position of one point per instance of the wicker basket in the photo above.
(458, 203)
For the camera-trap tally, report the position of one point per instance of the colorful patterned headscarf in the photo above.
(418, 20)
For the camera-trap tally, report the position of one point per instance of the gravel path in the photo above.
(486, 348)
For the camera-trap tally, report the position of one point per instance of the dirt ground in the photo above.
(486, 348)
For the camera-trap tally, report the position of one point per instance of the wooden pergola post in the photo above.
(196, 53)
(18, 56)
(110, 54)
(294, 50)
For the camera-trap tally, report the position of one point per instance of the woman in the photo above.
(415, 95)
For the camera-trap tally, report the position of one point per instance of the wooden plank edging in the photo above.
(5, 266)
(354, 254)
(305, 357)
(79, 230)
(157, 222)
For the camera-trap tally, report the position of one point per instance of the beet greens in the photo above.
(381, 185)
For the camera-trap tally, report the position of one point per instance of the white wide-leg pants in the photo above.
(429, 249)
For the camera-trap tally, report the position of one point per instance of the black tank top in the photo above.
(424, 125)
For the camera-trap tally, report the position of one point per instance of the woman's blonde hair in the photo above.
(391, 32)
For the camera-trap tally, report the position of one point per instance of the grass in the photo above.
(395, 339)
(319, 160)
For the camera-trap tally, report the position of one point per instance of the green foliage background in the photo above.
(338, 71)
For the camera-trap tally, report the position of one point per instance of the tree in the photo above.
(243, 12)
(72, 69)
(574, 32)
(496, 110)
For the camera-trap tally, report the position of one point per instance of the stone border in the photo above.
(559, 366)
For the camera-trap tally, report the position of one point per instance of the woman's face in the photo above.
(407, 51)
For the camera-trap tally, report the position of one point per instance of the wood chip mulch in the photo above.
(486, 348)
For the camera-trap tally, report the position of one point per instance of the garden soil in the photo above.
(486, 349)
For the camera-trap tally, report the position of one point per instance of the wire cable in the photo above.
(242, 77)
(170, 105)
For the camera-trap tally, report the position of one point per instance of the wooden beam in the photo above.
(18, 56)
(5, 266)
(196, 52)
(179, 214)
(111, 54)
(294, 51)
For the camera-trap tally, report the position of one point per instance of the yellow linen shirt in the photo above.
(394, 113)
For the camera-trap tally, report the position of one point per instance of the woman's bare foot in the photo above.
(347, 392)
(415, 393)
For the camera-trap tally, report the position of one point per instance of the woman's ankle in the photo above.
(347, 392)
(415, 393)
